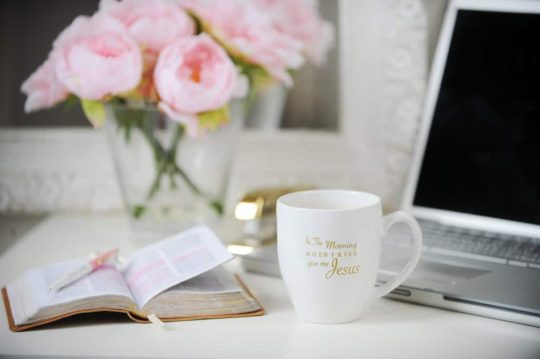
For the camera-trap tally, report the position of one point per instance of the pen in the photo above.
(83, 270)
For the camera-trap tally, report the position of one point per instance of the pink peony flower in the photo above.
(153, 24)
(249, 33)
(95, 57)
(301, 20)
(43, 89)
(194, 75)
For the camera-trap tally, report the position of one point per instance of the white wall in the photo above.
(385, 50)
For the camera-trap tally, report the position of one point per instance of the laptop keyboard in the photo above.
(480, 245)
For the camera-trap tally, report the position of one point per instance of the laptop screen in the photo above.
(483, 151)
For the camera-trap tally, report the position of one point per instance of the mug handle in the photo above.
(388, 221)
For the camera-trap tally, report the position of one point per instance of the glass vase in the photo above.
(169, 180)
(266, 106)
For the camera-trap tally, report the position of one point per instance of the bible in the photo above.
(175, 279)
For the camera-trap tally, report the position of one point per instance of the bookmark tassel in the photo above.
(156, 321)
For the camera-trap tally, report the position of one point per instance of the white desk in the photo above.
(390, 329)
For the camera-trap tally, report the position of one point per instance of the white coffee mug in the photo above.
(329, 248)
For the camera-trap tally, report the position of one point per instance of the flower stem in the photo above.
(157, 181)
(175, 169)
(159, 155)
(178, 132)
(166, 163)
(186, 179)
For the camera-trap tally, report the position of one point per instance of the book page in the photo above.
(174, 260)
(31, 292)
(214, 281)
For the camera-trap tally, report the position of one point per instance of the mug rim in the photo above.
(372, 199)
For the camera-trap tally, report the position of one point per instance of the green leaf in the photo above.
(212, 120)
(197, 20)
(138, 211)
(217, 206)
(257, 75)
(127, 119)
(94, 111)
(71, 101)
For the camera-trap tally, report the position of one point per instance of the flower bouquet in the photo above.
(167, 78)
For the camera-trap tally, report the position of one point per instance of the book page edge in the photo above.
(19, 328)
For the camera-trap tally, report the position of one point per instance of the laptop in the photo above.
(474, 183)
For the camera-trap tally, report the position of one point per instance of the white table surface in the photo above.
(389, 329)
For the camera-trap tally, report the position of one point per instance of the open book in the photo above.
(175, 279)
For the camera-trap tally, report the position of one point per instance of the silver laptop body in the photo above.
(475, 178)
